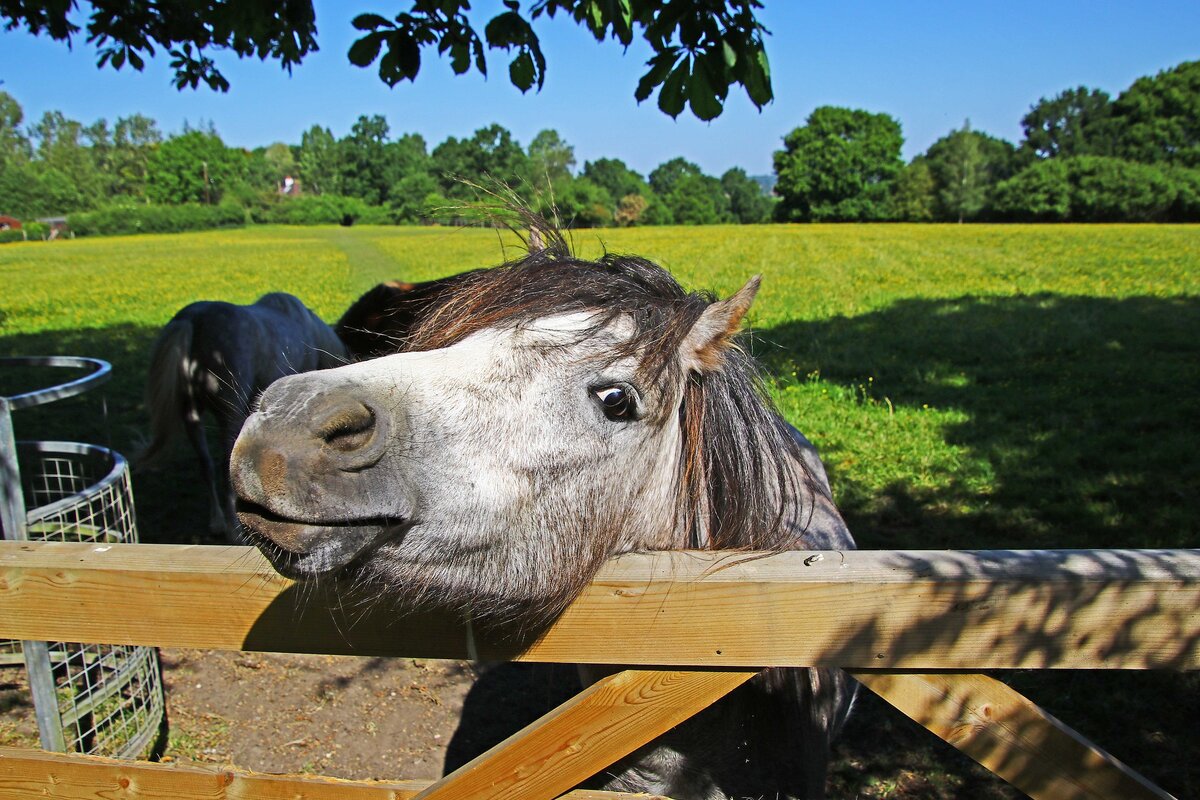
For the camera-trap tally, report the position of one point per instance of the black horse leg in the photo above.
(195, 433)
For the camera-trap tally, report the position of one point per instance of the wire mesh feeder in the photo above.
(94, 699)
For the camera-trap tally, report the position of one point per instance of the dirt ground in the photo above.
(365, 718)
(343, 717)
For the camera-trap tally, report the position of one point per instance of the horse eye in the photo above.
(617, 401)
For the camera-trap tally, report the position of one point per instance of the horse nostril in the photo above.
(347, 427)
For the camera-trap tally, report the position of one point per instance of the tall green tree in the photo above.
(281, 160)
(135, 138)
(14, 143)
(550, 158)
(60, 148)
(748, 204)
(701, 47)
(491, 154)
(690, 196)
(838, 166)
(963, 176)
(616, 178)
(414, 187)
(1074, 122)
(320, 162)
(193, 167)
(365, 170)
(99, 138)
(965, 165)
(1157, 119)
(913, 192)
(581, 203)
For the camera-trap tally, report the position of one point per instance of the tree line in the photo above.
(1084, 157)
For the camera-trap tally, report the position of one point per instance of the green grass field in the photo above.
(969, 387)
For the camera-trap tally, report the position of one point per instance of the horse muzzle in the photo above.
(304, 470)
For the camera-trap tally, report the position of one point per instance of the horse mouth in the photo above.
(302, 549)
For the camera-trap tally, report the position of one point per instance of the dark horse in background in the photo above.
(378, 322)
(538, 419)
(216, 357)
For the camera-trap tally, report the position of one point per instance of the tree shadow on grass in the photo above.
(1082, 409)
(1083, 412)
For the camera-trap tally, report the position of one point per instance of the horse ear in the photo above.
(536, 242)
(704, 346)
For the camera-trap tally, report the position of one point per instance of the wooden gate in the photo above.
(916, 627)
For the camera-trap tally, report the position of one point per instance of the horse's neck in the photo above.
(812, 516)
(819, 525)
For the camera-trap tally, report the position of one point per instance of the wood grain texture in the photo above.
(868, 609)
(1011, 736)
(37, 775)
(603, 723)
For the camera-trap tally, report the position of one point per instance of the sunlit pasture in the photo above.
(969, 386)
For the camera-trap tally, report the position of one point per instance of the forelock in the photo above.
(551, 282)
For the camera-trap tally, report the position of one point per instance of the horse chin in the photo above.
(305, 550)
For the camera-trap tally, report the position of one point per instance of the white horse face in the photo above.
(497, 473)
(487, 463)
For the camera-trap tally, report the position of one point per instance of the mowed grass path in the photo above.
(969, 386)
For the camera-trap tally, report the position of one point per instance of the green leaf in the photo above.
(460, 57)
(690, 31)
(364, 51)
(480, 59)
(729, 53)
(757, 78)
(506, 30)
(408, 55)
(597, 19)
(521, 71)
(671, 97)
(402, 60)
(623, 22)
(370, 22)
(136, 61)
(712, 63)
(389, 68)
(660, 66)
(702, 97)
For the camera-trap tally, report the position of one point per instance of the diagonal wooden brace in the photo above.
(603, 723)
(1011, 736)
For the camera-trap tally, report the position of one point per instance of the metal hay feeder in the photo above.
(91, 699)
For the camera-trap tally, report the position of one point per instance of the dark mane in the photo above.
(743, 482)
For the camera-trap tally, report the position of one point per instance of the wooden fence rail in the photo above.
(37, 775)
(895, 619)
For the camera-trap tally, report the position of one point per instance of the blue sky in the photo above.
(931, 65)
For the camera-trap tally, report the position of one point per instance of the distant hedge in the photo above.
(323, 209)
(126, 219)
(1098, 189)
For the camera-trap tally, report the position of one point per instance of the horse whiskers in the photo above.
(340, 359)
